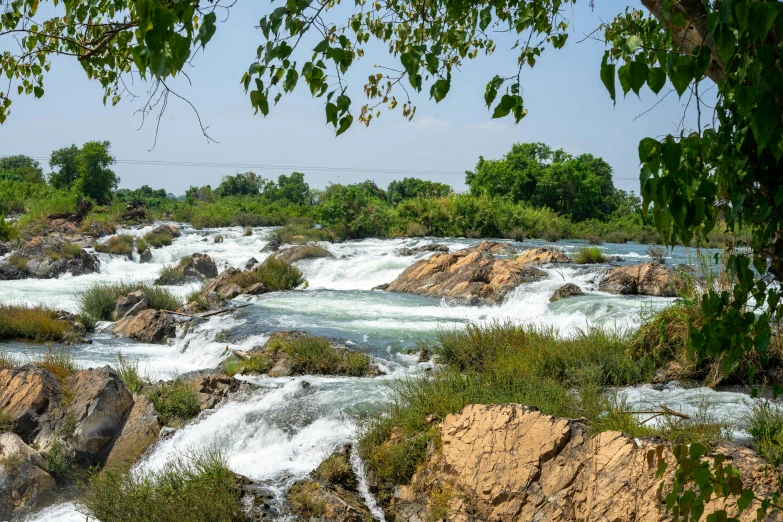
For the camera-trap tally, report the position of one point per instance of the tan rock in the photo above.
(495, 248)
(296, 253)
(471, 276)
(565, 291)
(139, 429)
(148, 326)
(230, 291)
(644, 279)
(509, 462)
(26, 395)
(25, 485)
(541, 256)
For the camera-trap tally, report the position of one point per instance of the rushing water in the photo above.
(285, 427)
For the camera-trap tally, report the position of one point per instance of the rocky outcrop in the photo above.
(296, 253)
(145, 256)
(644, 279)
(166, 229)
(48, 257)
(27, 395)
(228, 285)
(430, 247)
(25, 485)
(542, 256)
(148, 326)
(138, 430)
(200, 267)
(565, 291)
(495, 248)
(473, 275)
(130, 305)
(512, 463)
(331, 493)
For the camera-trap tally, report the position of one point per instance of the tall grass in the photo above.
(121, 245)
(158, 239)
(192, 488)
(99, 300)
(276, 275)
(175, 401)
(128, 372)
(765, 422)
(58, 361)
(35, 323)
(589, 255)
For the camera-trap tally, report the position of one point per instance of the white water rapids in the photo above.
(285, 427)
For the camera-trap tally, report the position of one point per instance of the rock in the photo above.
(64, 226)
(5, 248)
(130, 305)
(472, 276)
(671, 371)
(567, 290)
(27, 394)
(495, 248)
(251, 263)
(99, 405)
(256, 289)
(146, 256)
(644, 279)
(430, 247)
(334, 486)
(229, 292)
(296, 253)
(542, 256)
(200, 266)
(512, 463)
(149, 326)
(97, 229)
(166, 229)
(47, 258)
(139, 429)
(25, 485)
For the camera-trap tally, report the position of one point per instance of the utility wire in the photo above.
(287, 167)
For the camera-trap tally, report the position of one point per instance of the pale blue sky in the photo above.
(568, 107)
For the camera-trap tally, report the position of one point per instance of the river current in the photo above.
(282, 430)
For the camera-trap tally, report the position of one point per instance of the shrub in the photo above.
(416, 230)
(276, 275)
(128, 372)
(248, 231)
(317, 355)
(657, 254)
(35, 323)
(305, 500)
(594, 239)
(121, 245)
(99, 300)
(7, 231)
(192, 488)
(6, 423)
(70, 250)
(7, 362)
(616, 237)
(516, 234)
(158, 239)
(141, 245)
(175, 401)
(765, 422)
(589, 255)
(57, 459)
(218, 239)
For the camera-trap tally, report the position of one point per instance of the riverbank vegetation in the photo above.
(531, 192)
(99, 300)
(35, 323)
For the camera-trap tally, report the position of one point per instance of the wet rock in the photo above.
(145, 256)
(166, 229)
(511, 462)
(473, 276)
(431, 247)
(138, 430)
(25, 485)
(256, 289)
(149, 326)
(331, 492)
(5, 248)
(495, 248)
(565, 291)
(542, 256)
(230, 291)
(252, 262)
(96, 229)
(672, 371)
(130, 305)
(27, 395)
(644, 279)
(48, 257)
(296, 253)
(613, 259)
(200, 266)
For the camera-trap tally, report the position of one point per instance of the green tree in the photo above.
(410, 188)
(96, 180)
(64, 160)
(21, 168)
(291, 188)
(241, 184)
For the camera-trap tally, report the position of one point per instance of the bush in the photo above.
(317, 355)
(276, 275)
(141, 245)
(416, 230)
(594, 239)
(7, 231)
(765, 423)
(195, 488)
(657, 254)
(616, 237)
(589, 255)
(175, 401)
(6, 422)
(248, 231)
(218, 239)
(121, 245)
(35, 323)
(59, 362)
(158, 239)
(99, 300)
(57, 459)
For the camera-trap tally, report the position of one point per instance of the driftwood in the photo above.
(210, 314)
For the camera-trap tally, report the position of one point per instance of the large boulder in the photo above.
(27, 396)
(495, 248)
(148, 326)
(130, 305)
(138, 430)
(472, 276)
(644, 279)
(567, 290)
(200, 266)
(510, 462)
(296, 253)
(429, 247)
(542, 256)
(48, 257)
(166, 229)
(25, 485)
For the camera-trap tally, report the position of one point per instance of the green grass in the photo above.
(57, 361)
(765, 423)
(121, 245)
(57, 459)
(158, 239)
(35, 323)
(98, 301)
(128, 372)
(589, 255)
(141, 245)
(175, 401)
(193, 488)
(6, 422)
(276, 275)
(303, 252)
(173, 275)
(297, 233)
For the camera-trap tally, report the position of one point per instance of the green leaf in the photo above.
(322, 46)
(207, 29)
(638, 75)
(331, 113)
(607, 77)
(503, 108)
(656, 79)
(742, 96)
(291, 78)
(680, 72)
(647, 147)
(492, 90)
(485, 18)
(624, 75)
(345, 122)
(440, 89)
(761, 18)
(670, 153)
(631, 44)
(765, 119)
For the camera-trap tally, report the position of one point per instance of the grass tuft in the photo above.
(589, 255)
(175, 401)
(158, 239)
(121, 245)
(59, 362)
(128, 372)
(276, 275)
(35, 323)
(765, 423)
(99, 300)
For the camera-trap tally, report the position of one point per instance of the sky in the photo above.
(568, 108)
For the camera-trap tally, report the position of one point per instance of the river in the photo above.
(283, 429)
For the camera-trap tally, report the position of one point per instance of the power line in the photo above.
(291, 167)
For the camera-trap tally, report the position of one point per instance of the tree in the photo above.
(410, 188)
(96, 179)
(64, 160)
(292, 189)
(21, 168)
(247, 184)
